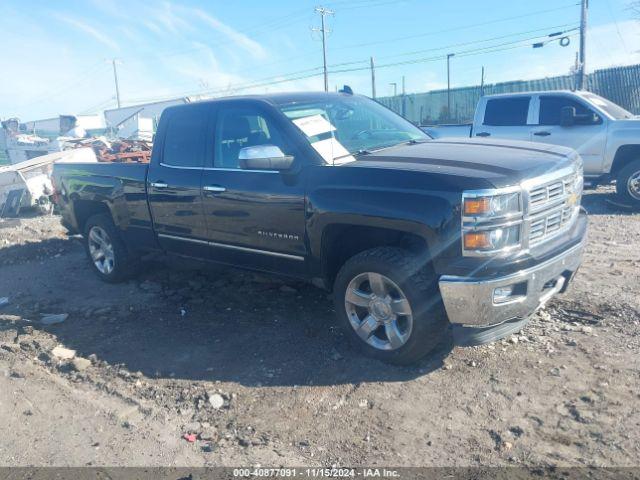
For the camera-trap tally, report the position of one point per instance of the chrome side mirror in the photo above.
(264, 157)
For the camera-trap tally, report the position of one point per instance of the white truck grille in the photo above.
(553, 206)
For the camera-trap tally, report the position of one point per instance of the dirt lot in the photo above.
(258, 371)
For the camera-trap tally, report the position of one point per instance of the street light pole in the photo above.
(395, 88)
(449, 55)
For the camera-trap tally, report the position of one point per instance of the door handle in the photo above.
(483, 134)
(159, 185)
(214, 188)
(542, 134)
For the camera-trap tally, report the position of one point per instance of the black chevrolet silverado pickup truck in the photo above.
(415, 237)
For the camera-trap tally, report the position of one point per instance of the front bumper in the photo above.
(470, 301)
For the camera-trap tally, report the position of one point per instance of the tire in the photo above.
(107, 253)
(628, 184)
(404, 276)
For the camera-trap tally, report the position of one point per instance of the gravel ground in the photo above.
(257, 371)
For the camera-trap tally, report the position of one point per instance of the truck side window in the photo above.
(550, 107)
(184, 141)
(502, 112)
(238, 128)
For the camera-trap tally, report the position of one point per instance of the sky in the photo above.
(57, 57)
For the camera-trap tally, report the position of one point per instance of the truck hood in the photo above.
(627, 124)
(500, 162)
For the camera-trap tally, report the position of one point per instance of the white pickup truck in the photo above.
(605, 134)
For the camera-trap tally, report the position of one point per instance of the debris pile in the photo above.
(120, 150)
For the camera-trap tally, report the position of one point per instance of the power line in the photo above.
(57, 91)
(477, 51)
(408, 37)
(462, 44)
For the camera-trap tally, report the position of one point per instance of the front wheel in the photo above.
(388, 302)
(628, 183)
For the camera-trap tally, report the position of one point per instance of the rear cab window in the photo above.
(507, 112)
(184, 141)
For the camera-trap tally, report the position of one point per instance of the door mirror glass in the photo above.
(567, 116)
(264, 157)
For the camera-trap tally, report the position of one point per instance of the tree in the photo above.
(635, 7)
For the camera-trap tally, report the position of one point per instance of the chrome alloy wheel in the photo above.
(101, 250)
(633, 185)
(378, 311)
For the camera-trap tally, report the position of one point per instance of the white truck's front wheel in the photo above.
(628, 184)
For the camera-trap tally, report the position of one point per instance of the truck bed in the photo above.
(119, 186)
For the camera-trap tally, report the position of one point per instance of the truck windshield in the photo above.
(340, 127)
(616, 111)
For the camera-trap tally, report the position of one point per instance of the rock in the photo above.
(63, 353)
(52, 319)
(193, 427)
(586, 329)
(10, 318)
(363, 403)
(288, 289)
(544, 315)
(447, 366)
(513, 339)
(216, 400)
(207, 436)
(80, 364)
(207, 447)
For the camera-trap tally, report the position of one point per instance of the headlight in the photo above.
(492, 206)
(494, 239)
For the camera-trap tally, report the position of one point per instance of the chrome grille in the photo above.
(553, 206)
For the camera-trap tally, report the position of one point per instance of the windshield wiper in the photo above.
(359, 152)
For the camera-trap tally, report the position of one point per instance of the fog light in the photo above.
(502, 294)
(510, 293)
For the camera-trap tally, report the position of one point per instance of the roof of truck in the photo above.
(284, 97)
(538, 92)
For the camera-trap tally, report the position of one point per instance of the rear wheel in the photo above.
(389, 305)
(628, 183)
(106, 250)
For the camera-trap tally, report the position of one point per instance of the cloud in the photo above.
(83, 27)
(238, 38)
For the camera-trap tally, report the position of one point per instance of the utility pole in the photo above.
(115, 78)
(323, 13)
(482, 82)
(583, 45)
(373, 79)
(449, 55)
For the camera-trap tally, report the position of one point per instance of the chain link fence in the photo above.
(619, 84)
